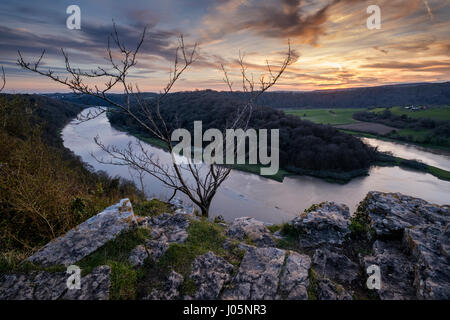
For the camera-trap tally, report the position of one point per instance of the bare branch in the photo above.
(199, 182)
(3, 77)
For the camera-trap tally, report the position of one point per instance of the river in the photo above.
(244, 194)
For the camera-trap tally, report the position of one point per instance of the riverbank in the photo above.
(384, 138)
(333, 177)
(329, 176)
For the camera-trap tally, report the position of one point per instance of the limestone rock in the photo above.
(45, 285)
(294, 280)
(423, 230)
(255, 230)
(258, 275)
(430, 247)
(86, 237)
(335, 266)
(183, 207)
(397, 271)
(17, 287)
(173, 227)
(94, 286)
(327, 290)
(169, 290)
(210, 272)
(327, 223)
(138, 256)
(391, 213)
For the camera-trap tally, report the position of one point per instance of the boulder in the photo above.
(94, 286)
(169, 290)
(45, 285)
(430, 247)
(256, 231)
(258, 275)
(336, 266)
(422, 229)
(294, 281)
(392, 213)
(396, 268)
(326, 223)
(87, 237)
(138, 256)
(210, 272)
(165, 229)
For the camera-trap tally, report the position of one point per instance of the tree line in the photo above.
(303, 144)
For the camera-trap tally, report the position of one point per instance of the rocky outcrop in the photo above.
(165, 229)
(336, 266)
(330, 250)
(253, 230)
(45, 285)
(258, 275)
(397, 270)
(294, 281)
(210, 272)
(416, 238)
(170, 289)
(94, 286)
(327, 290)
(86, 237)
(326, 223)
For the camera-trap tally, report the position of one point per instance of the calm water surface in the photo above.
(246, 194)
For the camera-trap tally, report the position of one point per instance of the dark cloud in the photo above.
(87, 45)
(278, 19)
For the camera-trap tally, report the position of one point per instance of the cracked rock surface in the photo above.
(169, 290)
(87, 236)
(416, 236)
(210, 272)
(325, 224)
(294, 281)
(258, 275)
(165, 229)
(256, 231)
(45, 285)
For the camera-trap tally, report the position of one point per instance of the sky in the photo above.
(331, 43)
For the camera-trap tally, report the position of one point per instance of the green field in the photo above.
(326, 116)
(436, 113)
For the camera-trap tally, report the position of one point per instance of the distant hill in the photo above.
(89, 100)
(381, 96)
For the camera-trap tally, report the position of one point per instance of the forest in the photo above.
(304, 146)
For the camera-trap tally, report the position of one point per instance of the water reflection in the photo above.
(246, 194)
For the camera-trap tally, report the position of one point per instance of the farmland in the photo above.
(435, 113)
(401, 130)
(325, 116)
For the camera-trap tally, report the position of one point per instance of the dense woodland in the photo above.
(303, 144)
(438, 131)
(45, 190)
(381, 96)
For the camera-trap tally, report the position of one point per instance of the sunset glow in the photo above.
(335, 48)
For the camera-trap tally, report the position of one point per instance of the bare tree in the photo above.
(3, 77)
(199, 182)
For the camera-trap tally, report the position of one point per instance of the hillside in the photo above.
(44, 188)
